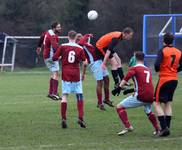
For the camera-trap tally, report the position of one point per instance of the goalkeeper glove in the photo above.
(127, 91)
(116, 91)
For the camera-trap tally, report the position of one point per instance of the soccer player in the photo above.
(132, 61)
(168, 63)
(71, 55)
(100, 75)
(106, 45)
(143, 95)
(49, 41)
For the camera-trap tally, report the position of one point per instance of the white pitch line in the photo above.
(89, 144)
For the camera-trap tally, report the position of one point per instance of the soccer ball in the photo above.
(92, 15)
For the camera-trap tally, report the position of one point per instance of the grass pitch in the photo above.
(30, 121)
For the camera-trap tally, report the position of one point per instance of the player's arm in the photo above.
(57, 54)
(54, 42)
(158, 60)
(110, 49)
(125, 80)
(84, 64)
(40, 43)
(180, 64)
(84, 40)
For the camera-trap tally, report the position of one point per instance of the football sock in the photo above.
(55, 86)
(107, 94)
(120, 72)
(50, 86)
(106, 88)
(99, 96)
(153, 120)
(123, 116)
(80, 109)
(63, 109)
(168, 121)
(115, 76)
(162, 122)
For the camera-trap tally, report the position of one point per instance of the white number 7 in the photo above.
(148, 76)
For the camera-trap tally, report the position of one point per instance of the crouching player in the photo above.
(143, 95)
(71, 55)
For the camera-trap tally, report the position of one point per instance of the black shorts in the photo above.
(165, 91)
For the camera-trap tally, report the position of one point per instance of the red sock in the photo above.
(55, 87)
(106, 88)
(80, 109)
(50, 86)
(107, 95)
(99, 96)
(123, 116)
(63, 110)
(153, 120)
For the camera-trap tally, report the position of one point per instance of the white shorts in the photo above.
(72, 87)
(52, 65)
(97, 71)
(132, 102)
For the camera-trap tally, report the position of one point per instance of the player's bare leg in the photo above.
(63, 108)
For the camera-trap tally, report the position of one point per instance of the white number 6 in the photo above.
(71, 57)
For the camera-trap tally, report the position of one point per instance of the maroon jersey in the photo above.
(71, 56)
(88, 48)
(50, 43)
(142, 77)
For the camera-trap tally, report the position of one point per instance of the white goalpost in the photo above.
(15, 41)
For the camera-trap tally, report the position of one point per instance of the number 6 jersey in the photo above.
(142, 77)
(71, 55)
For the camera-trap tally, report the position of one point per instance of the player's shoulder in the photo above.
(72, 45)
(140, 66)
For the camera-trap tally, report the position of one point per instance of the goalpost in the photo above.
(154, 27)
(16, 41)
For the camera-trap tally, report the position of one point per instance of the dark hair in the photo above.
(127, 30)
(168, 38)
(139, 55)
(72, 34)
(54, 25)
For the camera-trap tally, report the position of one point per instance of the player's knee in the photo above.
(79, 97)
(120, 106)
(64, 99)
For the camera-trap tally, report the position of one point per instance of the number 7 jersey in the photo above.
(71, 56)
(167, 62)
(142, 77)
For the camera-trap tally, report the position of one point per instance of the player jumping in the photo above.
(106, 45)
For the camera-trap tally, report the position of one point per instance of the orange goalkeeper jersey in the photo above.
(106, 39)
(170, 62)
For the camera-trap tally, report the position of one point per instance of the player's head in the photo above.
(72, 35)
(56, 27)
(168, 39)
(78, 37)
(127, 33)
(139, 55)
